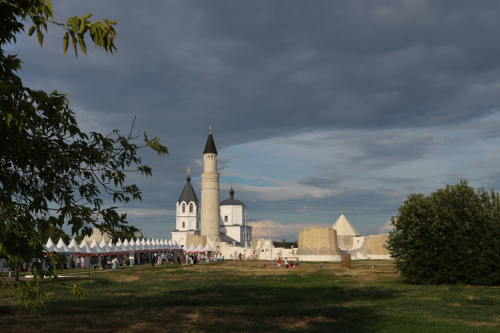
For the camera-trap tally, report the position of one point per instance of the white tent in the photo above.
(97, 248)
(109, 249)
(208, 248)
(191, 248)
(73, 246)
(102, 243)
(119, 243)
(61, 247)
(199, 248)
(122, 248)
(86, 249)
(50, 246)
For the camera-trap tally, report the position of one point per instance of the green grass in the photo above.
(245, 297)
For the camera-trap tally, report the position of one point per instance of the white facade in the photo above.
(187, 221)
(233, 221)
(232, 215)
(187, 214)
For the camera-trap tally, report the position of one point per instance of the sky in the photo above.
(317, 108)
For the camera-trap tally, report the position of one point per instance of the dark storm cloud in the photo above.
(259, 69)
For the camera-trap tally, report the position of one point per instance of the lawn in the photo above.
(248, 297)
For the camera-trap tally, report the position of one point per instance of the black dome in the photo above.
(232, 202)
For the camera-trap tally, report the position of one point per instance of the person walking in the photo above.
(297, 263)
(279, 262)
(287, 262)
(153, 260)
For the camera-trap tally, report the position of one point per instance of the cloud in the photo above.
(314, 107)
(387, 227)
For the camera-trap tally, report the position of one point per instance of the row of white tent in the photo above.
(199, 248)
(94, 249)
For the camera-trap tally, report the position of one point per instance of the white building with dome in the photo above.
(233, 221)
(188, 214)
(225, 222)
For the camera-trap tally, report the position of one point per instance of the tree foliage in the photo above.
(51, 173)
(451, 236)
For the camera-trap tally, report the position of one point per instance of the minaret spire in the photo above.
(210, 203)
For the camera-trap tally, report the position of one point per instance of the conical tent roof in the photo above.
(86, 249)
(110, 243)
(208, 248)
(103, 243)
(61, 247)
(344, 227)
(119, 243)
(73, 246)
(50, 246)
(199, 248)
(191, 248)
(121, 248)
(109, 249)
(97, 248)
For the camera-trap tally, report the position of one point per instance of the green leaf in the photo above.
(87, 16)
(65, 42)
(8, 118)
(40, 37)
(74, 24)
(82, 44)
(32, 30)
(82, 26)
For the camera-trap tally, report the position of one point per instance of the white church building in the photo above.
(232, 212)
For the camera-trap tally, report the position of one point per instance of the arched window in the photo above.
(183, 224)
(191, 207)
(183, 207)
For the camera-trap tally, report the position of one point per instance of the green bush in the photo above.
(451, 236)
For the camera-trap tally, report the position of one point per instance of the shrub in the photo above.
(451, 236)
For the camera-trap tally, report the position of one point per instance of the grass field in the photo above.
(246, 297)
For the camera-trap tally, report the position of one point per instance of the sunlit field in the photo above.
(248, 297)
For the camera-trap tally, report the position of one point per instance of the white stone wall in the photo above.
(210, 198)
(180, 237)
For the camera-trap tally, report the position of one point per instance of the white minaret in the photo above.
(210, 210)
